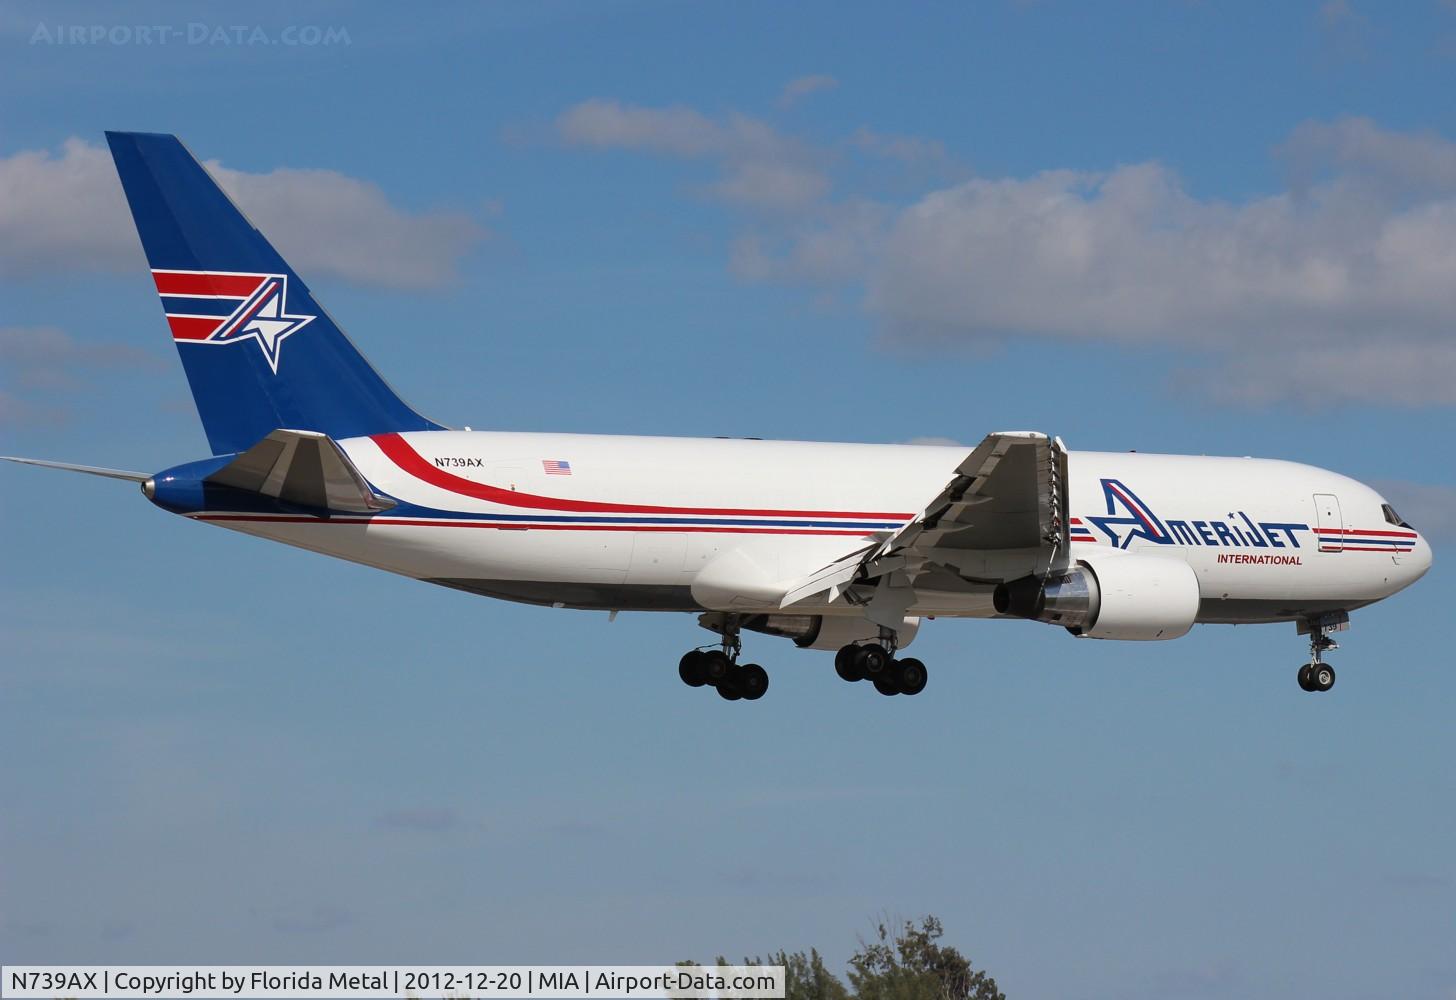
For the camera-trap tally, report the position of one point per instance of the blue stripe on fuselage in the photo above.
(405, 509)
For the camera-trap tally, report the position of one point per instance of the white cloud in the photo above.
(801, 87)
(1344, 31)
(325, 222)
(837, 246)
(677, 130)
(66, 212)
(1128, 255)
(1399, 162)
(1294, 294)
(1335, 12)
(607, 124)
(29, 348)
(762, 168)
(1285, 296)
(40, 364)
(771, 185)
(17, 412)
(909, 149)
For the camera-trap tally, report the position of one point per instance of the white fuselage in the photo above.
(658, 523)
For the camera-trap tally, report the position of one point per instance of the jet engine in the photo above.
(1109, 597)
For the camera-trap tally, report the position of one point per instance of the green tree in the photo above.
(907, 963)
(806, 977)
(910, 963)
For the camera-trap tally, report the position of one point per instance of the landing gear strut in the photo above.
(876, 663)
(1317, 675)
(720, 668)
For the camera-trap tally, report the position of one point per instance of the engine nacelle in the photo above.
(1109, 597)
(823, 631)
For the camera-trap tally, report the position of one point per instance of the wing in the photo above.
(1001, 514)
(304, 468)
(1009, 493)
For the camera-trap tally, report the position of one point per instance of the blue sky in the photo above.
(1223, 229)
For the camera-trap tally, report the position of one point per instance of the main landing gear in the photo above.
(1317, 675)
(875, 663)
(720, 669)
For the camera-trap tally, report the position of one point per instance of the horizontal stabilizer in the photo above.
(90, 470)
(305, 468)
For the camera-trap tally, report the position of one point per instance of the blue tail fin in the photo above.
(259, 352)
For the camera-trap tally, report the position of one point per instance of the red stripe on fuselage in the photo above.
(401, 454)
(1359, 531)
(416, 523)
(233, 285)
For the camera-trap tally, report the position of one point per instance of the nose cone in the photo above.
(1411, 566)
(1418, 561)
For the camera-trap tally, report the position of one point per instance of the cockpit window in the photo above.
(1391, 517)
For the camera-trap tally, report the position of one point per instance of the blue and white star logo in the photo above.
(264, 318)
(1139, 521)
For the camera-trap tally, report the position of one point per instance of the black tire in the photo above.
(752, 681)
(911, 675)
(1323, 677)
(729, 688)
(871, 660)
(692, 669)
(885, 683)
(715, 666)
(844, 664)
(1305, 677)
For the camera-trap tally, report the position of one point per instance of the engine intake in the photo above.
(1109, 597)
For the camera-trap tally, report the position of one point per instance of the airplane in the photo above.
(843, 547)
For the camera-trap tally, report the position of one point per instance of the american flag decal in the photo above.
(556, 467)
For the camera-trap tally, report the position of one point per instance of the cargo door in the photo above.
(1329, 523)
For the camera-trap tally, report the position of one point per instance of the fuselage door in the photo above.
(1330, 523)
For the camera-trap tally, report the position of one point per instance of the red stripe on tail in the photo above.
(194, 327)
(190, 283)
